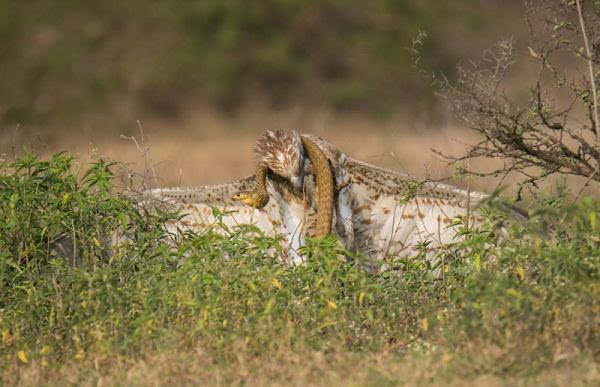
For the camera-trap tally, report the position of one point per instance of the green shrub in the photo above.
(509, 307)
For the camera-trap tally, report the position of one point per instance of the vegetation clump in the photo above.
(220, 306)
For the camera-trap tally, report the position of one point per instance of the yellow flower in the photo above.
(361, 298)
(275, 282)
(80, 355)
(447, 358)
(521, 272)
(5, 337)
(424, 324)
(21, 355)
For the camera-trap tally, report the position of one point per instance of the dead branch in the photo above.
(540, 136)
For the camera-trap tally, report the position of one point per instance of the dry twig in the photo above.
(541, 136)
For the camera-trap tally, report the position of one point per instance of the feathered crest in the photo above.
(282, 151)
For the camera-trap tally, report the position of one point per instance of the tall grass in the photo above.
(515, 306)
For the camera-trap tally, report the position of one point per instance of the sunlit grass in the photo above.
(221, 308)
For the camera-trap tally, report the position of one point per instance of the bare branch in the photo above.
(541, 136)
(590, 68)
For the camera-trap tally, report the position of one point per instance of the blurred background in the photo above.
(203, 79)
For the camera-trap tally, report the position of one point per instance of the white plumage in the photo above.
(378, 212)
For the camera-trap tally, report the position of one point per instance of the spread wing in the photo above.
(279, 217)
(393, 213)
(208, 205)
(219, 194)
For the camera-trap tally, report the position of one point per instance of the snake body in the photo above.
(259, 197)
(325, 187)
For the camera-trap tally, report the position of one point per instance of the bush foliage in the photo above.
(136, 58)
(517, 306)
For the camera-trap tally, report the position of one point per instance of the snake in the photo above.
(259, 197)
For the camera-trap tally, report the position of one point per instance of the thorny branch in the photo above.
(544, 134)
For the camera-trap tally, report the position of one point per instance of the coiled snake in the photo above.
(259, 197)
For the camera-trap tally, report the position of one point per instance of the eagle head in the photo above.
(282, 151)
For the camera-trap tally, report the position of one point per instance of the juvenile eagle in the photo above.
(377, 212)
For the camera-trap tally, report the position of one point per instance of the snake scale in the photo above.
(259, 197)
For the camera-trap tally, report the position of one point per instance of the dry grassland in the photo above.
(206, 148)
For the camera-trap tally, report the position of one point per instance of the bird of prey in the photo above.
(377, 212)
